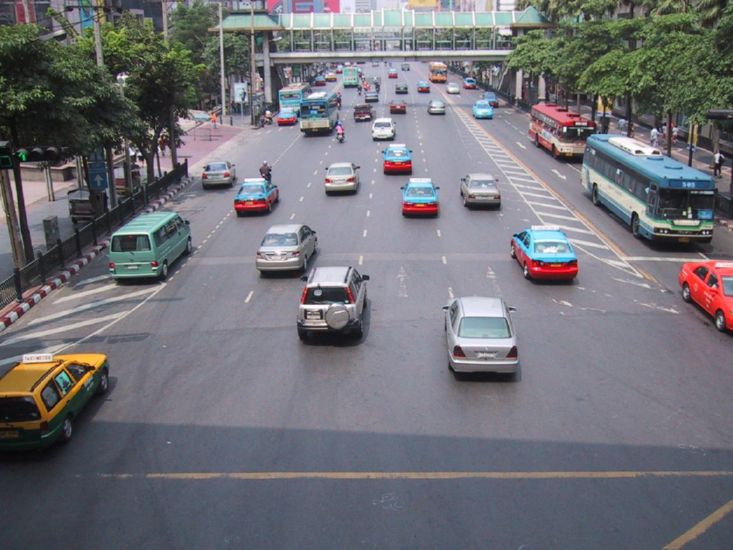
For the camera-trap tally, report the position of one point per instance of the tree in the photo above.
(534, 54)
(190, 27)
(236, 60)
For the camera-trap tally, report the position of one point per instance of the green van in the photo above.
(148, 245)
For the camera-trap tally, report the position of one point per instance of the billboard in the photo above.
(303, 6)
(423, 5)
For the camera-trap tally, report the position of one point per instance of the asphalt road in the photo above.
(221, 429)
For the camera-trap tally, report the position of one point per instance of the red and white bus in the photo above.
(558, 130)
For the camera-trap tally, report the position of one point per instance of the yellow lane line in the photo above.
(621, 474)
(699, 528)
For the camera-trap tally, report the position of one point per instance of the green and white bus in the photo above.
(350, 77)
(319, 113)
(292, 95)
(660, 198)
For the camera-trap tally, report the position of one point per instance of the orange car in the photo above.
(710, 285)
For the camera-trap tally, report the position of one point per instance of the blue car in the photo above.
(544, 252)
(420, 197)
(469, 83)
(491, 98)
(483, 109)
(397, 159)
(255, 195)
(423, 87)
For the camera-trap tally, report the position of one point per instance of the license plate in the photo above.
(248, 203)
(684, 239)
(485, 354)
(420, 206)
(132, 267)
(555, 265)
(312, 314)
(10, 434)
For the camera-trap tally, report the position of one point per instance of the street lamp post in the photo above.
(252, 64)
(221, 63)
(121, 80)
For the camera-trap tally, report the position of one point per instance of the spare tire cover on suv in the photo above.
(337, 316)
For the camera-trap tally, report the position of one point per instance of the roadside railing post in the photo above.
(41, 267)
(77, 241)
(94, 233)
(109, 222)
(60, 252)
(18, 285)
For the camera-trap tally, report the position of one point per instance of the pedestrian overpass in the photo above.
(295, 38)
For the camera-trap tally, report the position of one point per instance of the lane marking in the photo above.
(368, 213)
(249, 296)
(444, 260)
(361, 260)
(656, 259)
(292, 215)
(559, 216)
(308, 185)
(76, 295)
(301, 198)
(437, 231)
(587, 243)
(58, 330)
(700, 527)
(559, 175)
(92, 280)
(544, 205)
(370, 195)
(364, 233)
(520, 144)
(450, 293)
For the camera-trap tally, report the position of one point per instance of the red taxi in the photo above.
(392, 73)
(397, 107)
(710, 285)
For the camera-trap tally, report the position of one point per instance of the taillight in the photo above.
(261, 255)
(204, 176)
(471, 196)
(304, 295)
(352, 179)
(350, 296)
(458, 352)
(111, 265)
(227, 174)
(513, 353)
(328, 180)
(154, 263)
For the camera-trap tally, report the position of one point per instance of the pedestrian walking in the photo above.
(675, 134)
(214, 120)
(654, 134)
(718, 160)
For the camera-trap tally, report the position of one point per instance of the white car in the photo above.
(383, 128)
(453, 88)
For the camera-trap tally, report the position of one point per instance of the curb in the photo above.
(32, 297)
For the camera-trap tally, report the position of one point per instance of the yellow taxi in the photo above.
(43, 394)
(331, 77)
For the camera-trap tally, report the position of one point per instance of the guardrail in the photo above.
(55, 258)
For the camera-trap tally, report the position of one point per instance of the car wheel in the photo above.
(269, 207)
(204, 186)
(594, 195)
(554, 152)
(358, 331)
(189, 247)
(67, 430)
(536, 140)
(512, 251)
(103, 383)
(635, 225)
(164, 271)
(302, 334)
(240, 214)
(525, 272)
(686, 296)
(720, 320)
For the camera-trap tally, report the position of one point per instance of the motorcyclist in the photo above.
(376, 86)
(268, 116)
(338, 99)
(340, 134)
(266, 171)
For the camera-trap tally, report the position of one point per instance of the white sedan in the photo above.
(453, 88)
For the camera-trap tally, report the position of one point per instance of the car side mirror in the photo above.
(358, 167)
(403, 187)
(463, 179)
(437, 187)
(445, 308)
(233, 165)
(511, 308)
(304, 278)
(365, 277)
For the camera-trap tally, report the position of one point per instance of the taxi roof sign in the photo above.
(421, 180)
(724, 265)
(545, 228)
(38, 358)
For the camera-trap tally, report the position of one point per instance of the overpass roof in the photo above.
(383, 20)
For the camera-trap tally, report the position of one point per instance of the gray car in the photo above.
(480, 335)
(436, 107)
(219, 173)
(287, 247)
(334, 300)
(480, 190)
(342, 176)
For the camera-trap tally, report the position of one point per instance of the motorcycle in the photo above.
(340, 137)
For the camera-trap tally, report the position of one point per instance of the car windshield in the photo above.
(397, 152)
(130, 243)
(326, 295)
(340, 171)
(484, 327)
(482, 184)
(727, 286)
(551, 247)
(280, 239)
(490, 96)
(216, 167)
(286, 113)
(251, 188)
(18, 409)
(382, 125)
(482, 105)
(419, 192)
(436, 103)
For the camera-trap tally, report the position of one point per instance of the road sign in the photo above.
(97, 176)
(240, 92)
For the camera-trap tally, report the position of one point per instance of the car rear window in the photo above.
(280, 239)
(18, 409)
(484, 327)
(340, 171)
(482, 184)
(130, 243)
(216, 167)
(727, 286)
(551, 247)
(382, 125)
(326, 295)
(419, 192)
(251, 188)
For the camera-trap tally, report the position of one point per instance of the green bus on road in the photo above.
(319, 113)
(660, 198)
(350, 77)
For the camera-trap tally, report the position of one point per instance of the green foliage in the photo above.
(190, 27)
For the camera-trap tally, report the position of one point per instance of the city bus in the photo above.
(660, 198)
(350, 77)
(292, 95)
(437, 71)
(319, 113)
(558, 130)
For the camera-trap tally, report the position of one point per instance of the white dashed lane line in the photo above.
(437, 231)
(292, 215)
(249, 296)
(444, 260)
(364, 233)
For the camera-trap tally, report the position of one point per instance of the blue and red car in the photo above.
(397, 159)
(423, 87)
(544, 252)
(287, 117)
(255, 195)
(420, 198)
(469, 83)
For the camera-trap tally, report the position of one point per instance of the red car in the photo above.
(423, 87)
(392, 73)
(710, 285)
(397, 107)
(286, 117)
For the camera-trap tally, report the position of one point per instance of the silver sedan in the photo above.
(342, 176)
(480, 335)
(453, 88)
(220, 172)
(436, 107)
(480, 190)
(287, 247)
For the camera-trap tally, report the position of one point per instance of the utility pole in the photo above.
(11, 219)
(173, 121)
(252, 64)
(221, 63)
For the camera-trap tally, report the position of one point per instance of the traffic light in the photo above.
(41, 153)
(6, 156)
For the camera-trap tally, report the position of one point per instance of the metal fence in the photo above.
(35, 273)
